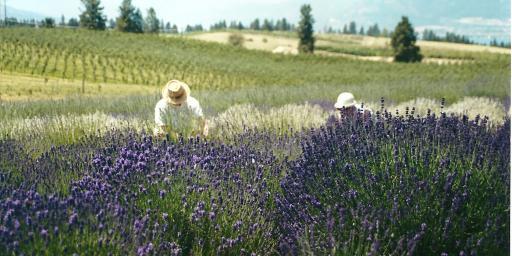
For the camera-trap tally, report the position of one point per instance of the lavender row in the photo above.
(379, 185)
(399, 186)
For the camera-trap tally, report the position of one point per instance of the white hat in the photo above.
(345, 100)
(175, 92)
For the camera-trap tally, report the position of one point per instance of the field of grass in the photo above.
(111, 57)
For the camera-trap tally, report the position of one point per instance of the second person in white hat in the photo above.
(348, 107)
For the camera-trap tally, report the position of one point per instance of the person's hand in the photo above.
(159, 132)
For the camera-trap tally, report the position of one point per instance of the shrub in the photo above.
(236, 40)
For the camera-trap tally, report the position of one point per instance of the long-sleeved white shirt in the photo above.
(181, 119)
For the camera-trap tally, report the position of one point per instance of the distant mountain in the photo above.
(22, 14)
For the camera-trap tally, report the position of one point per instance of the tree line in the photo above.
(130, 19)
(257, 24)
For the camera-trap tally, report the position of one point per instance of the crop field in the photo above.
(428, 173)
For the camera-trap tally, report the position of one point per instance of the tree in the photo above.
(255, 25)
(305, 30)
(62, 22)
(345, 29)
(111, 24)
(139, 21)
(48, 22)
(361, 31)
(373, 30)
(403, 42)
(152, 23)
(267, 25)
(233, 25)
(385, 32)
(130, 19)
(92, 17)
(352, 28)
(73, 22)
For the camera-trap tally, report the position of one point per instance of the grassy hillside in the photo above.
(356, 45)
(111, 57)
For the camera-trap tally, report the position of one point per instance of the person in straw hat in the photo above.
(348, 107)
(178, 112)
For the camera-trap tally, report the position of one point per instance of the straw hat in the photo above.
(175, 92)
(345, 100)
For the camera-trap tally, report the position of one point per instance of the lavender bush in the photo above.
(381, 185)
(399, 186)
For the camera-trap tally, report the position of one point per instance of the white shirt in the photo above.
(182, 119)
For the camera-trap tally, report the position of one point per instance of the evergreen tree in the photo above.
(233, 25)
(279, 25)
(111, 24)
(92, 17)
(267, 25)
(130, 19)
(152, 24)
(285, 25)
(305, 30)
(345, 29)
(361, 31)
(47, 22)
(403, 42)
(62, 21)
(139, 21)
(73, 22)
(168, 27)
(385, 33)
(373, 30)
(352, 28)
(174, 29)
(255, 25)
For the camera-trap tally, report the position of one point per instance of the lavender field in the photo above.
(339, 128)
(387, 185)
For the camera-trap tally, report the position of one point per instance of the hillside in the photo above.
(116, 58)
(352, 46)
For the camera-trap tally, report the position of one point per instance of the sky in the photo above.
(482, 20)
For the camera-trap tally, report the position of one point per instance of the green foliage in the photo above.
(130, 19)
(152, 24)
(124, 58)
(403, 42)
(92, 17)
(73, 22)
(255, 25)
(48, 22)
(236, 40)
(373, 30)
(305, 30)
(352, 28)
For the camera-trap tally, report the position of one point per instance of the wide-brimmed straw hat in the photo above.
(345, 100)
(175, 92)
